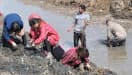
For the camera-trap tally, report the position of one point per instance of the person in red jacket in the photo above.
(76, 56)
(42, 32)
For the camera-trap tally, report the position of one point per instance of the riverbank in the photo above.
(96, 18)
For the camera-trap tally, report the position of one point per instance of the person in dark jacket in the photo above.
(13, 31)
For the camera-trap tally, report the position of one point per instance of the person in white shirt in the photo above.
(116, 34)
(81, 20)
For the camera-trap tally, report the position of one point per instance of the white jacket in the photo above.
(117, 29)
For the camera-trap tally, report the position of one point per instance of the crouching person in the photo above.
(116, 34)
(13, 31)
(42, 34)
(74, 57)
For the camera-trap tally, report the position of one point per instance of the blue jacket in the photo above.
(8, 20)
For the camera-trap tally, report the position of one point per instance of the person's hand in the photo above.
(33, 45)
(31, 41)
(86, 22)
(87, 66)
(69, 30)
(14, 46)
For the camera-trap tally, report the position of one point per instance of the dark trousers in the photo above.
(47, 46)
(24, 40)
(81, 37)
(117, 42)
(58, 52)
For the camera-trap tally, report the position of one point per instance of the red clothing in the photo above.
(70, 58)
(45, 31)
(1, 14)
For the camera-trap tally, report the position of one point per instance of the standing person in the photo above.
(116, 34)
(81, 20)
(13, 31)
(42, 32)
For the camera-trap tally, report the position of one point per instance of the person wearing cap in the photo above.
(81, 20)
(13, 31)
(42, 32)
(116, 34)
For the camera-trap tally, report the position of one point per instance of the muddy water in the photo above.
(117, 59)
